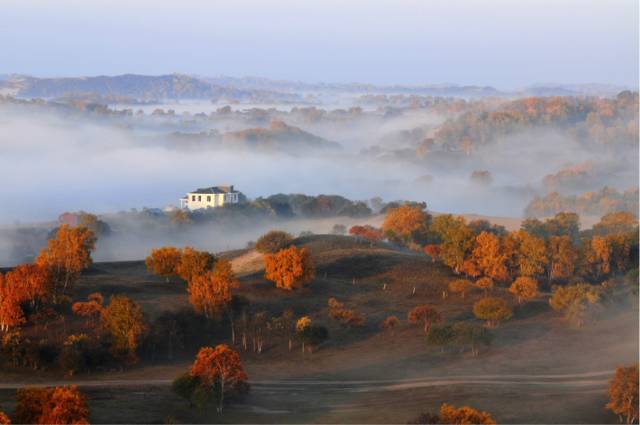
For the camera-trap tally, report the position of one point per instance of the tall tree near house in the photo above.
(623, 394)
(210, 293)
(163, 261)
(289, 268)
(425, 315)
(221, 370)
(66, 255)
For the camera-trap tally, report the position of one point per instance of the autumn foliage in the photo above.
(493, 310)
(211, 291)
(524, 288)
(289, 268)
(424, 315)
(464, 415)
(66, 255)
(407, 223)
(347, 317)
(123, 321)
(193, 263)
(163, 261)
(220, 370)
(367, 232)
(623, 394)
(58, 405)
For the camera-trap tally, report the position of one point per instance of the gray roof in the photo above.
(215, 189)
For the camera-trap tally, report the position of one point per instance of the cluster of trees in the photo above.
(451, 415)
(57, 405)
(605, 201)
(596, 121)
(32, 291)
(554, 251)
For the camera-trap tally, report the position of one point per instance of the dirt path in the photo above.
(578, 379)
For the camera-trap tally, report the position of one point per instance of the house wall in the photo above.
(210, 200)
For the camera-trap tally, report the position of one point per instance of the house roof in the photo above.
(215, 189)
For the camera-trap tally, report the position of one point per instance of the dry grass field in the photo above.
(538, 369)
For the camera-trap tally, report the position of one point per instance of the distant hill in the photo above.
(181, 86)
(277, 137)
(137, 87)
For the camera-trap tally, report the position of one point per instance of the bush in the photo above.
(493, 310)
(273, 241)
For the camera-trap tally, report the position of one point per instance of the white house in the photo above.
(210, 197)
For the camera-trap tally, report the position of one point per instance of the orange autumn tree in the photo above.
(524, 288)
(426, 315)
(209, 293)
(623, 394)
(487, 258)
(122, 320)
(64, 405)
(58, 405)
(562, 257)
(193, 263)
(367, 232)
(220, 370)
(91, 308)
(4, 419)
(11, 298)
(463, 415)
(32, 281)
(66, 255)
(532, 254)
(163, 261)
(289, 268)
(407, 223)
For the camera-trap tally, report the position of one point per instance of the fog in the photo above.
(52, 162)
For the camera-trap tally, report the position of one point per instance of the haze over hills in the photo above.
(182, 86)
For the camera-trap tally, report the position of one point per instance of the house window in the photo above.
(199, 198)
(193, 198)
(208, 198)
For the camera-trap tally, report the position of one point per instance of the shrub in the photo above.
(493, 310)
(273, 241)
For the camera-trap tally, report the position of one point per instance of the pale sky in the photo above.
(503, 43)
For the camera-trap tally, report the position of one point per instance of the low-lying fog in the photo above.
(50, 164)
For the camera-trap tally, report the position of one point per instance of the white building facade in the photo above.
(210, 197)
